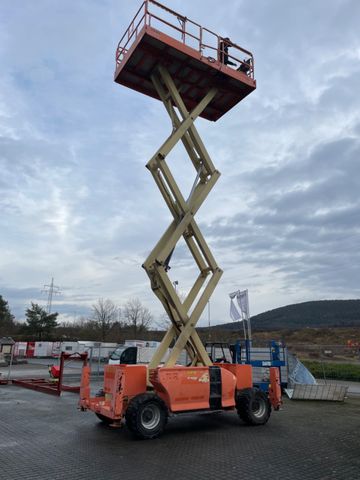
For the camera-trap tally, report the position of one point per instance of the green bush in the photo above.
(333, 371)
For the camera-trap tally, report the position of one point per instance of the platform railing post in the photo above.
(146, 10)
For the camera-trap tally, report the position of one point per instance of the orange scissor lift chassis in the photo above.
(192, 77)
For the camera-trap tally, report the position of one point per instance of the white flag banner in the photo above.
(243, 302)
(240, 309)
(234, 314)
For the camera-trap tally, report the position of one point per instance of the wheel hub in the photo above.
(150, 416)
(258, 408)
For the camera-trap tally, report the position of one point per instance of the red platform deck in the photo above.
(193, 60)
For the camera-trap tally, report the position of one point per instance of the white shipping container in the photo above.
(66, 347)
(145, 354)
(20, 349)
(69, 347)
(135, 343)
(184, 359)
(56, 349)
(106, 348)
(43, 349)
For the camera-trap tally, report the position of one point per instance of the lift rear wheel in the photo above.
(253, 406)
(146, 416)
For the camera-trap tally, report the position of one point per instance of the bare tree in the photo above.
(103, 316)
(137, 316)
(163, 322)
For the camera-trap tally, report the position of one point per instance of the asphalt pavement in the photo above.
(45, 437)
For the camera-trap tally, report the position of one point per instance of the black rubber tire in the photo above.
(146, 416)
(105, 420)
(253, 406)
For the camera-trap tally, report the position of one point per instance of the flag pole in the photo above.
(248, 314)
(243, 319)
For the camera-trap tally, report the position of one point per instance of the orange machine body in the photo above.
(275, 388)
(182, 388)
(242, 373)
(121, 384)
(195, 388)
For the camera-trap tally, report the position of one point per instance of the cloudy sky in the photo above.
(78, 205)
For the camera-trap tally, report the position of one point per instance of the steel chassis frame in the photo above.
(183, 314)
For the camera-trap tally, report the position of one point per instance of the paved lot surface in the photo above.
(45, 437)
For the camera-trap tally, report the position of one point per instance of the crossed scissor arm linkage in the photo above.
(183, 322)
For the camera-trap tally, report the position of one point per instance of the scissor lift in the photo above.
(168, 57)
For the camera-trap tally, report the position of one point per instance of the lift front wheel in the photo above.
(253, 406)
(146, 416)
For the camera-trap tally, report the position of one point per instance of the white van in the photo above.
(131, 355)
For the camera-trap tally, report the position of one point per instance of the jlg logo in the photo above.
(204, 378)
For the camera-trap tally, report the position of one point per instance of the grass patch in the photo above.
(333, 371)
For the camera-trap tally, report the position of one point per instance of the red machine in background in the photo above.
(30, 350)
(55, 385)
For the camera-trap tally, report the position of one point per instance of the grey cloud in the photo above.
(288, 198)
(311, 236)
(66, 304)
(20, 293)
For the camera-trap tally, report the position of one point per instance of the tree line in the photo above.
(106, 322)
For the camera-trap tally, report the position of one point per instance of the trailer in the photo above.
(20, 349)
(43, 349)
(97, 350)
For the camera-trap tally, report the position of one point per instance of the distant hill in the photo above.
(324, 313)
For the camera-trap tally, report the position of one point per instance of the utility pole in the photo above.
(51, 290)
